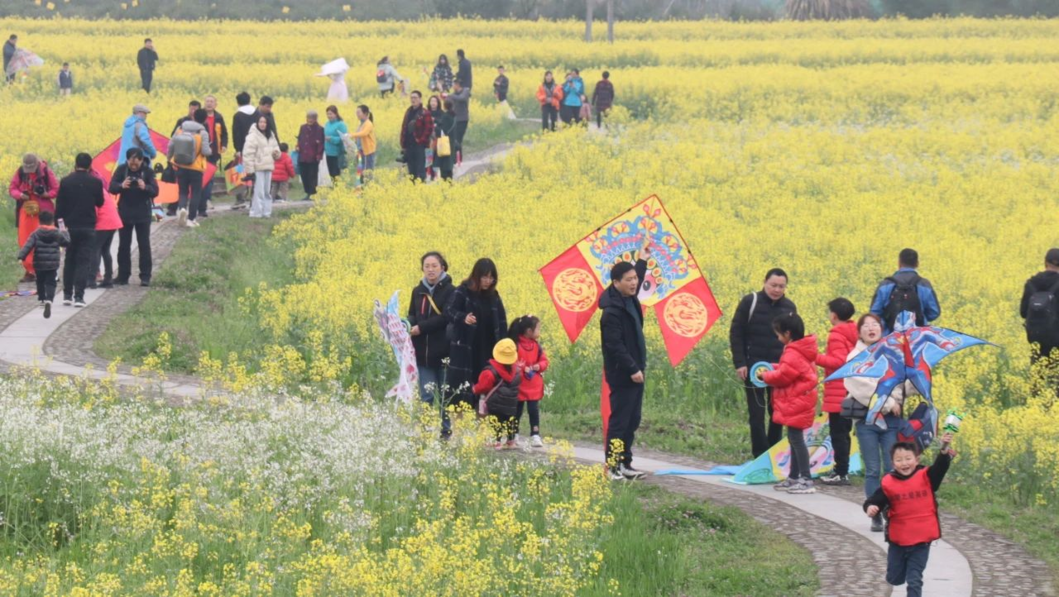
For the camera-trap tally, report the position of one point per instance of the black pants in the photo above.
(332, 166)
(759, 405)
(416, 156)
(626, 406)
(103, 240)
(78, 262)
(143, 240)
(534, 408)
(458, 133)
(906, 565)
(146, 76)
(46, 284)
(310, 173)
(840, 442)
(548, 117)
(599, 118)
(799, 454)
(570, 114)
(189, 189)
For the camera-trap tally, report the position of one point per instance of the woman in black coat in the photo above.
(426, 316)
(476, 314)
(134, 184)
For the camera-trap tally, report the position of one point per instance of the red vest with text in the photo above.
(913, 511)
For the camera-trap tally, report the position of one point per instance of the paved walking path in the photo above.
(969, 561)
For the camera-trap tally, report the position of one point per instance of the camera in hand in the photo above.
(39, 189)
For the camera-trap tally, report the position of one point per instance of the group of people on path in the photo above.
(568, 102)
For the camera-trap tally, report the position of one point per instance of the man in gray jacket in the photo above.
(461, 99)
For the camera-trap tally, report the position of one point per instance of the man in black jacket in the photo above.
(463, 75)
(136, 188)
(624, 361)
(146, 59)
(1040, 309)
(752, 340)
(245, 117)
(80, 194)
(9, 52)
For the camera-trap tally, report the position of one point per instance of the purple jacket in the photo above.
(310, 143)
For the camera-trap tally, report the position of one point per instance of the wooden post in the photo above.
(610, 21)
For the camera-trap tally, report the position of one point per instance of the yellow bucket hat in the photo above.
(505, 352)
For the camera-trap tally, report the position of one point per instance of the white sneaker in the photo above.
(191, 224)
(536, 442)
(614, 474)
(182, 216)
(68, 301)
(630, 473)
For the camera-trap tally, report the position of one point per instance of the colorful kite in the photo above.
(907, 354)
(774, 466)
(106, 162)
(395, 332)
(682, 300)
(23, 60)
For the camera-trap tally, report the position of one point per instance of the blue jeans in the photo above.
(875, 447)
(435, 378)
(906, 564)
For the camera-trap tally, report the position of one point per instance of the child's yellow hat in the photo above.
(505, 352)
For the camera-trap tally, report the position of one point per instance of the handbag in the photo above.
(169, 174)
(483, 404)
(851, 408)
(444, 147)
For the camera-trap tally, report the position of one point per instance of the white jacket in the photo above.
(259, 153)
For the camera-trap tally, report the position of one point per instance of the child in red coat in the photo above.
(498, 385)
(282, 174)
(526, 332)
(841, 341)
(794, 401)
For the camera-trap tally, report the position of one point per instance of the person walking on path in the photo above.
(80, 195)
(388, 78)
(218, 132)
(427, 319)
(603, 97)
(45, 245)
(259, 159)
(1040, 310)
(108, 222)
(310, 153)
(10, 46)
(134, 133)
(34, 188)
(417, 130)
(188, 151)
(364, 137)
(478, 319)
(841, 341)
(135, 185)
(444, 125)
(550, 97)
(624, 361)
(573, 98)
(433, 106)
(461, 103)
(906, 290)
(751, 339)
(66, 80)
(282, 175)
(441, 77)
(147, 60)
(794, 379)
(334, 146)
(909, 495)
(464, 75)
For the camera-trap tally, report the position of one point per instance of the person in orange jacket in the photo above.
(549, 94)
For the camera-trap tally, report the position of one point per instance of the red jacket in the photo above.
(284, 169)
(487, 381)
(840, 342)
(530, 353)
(794, 401)
(423, 128)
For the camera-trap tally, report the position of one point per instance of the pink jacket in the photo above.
(107, 217)
(24, 184)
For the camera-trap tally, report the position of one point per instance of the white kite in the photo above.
(336, 70)
(23, 60)
(395, 332)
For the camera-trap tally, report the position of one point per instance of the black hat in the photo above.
(620, 269)
(1052, 256)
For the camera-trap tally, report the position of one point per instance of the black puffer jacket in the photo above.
(134, 205)
(462, 366)
(621, 334)
(45, 242)
(1040, 282)
(751, 336)
(431, 345)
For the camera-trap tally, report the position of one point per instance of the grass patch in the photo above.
(195, 295)
(664, 543)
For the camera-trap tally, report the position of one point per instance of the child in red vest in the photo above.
(909, 493)
(498, 385)
(526, 332)
(841, 341)
(794, 401)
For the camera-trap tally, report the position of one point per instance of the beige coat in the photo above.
(259, 153)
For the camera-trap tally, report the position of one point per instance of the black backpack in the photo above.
(904, 297)
(1042, 317)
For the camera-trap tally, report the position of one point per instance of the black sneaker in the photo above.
(106, 284)
(121, 282)
(47, 309)
(145, 282)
